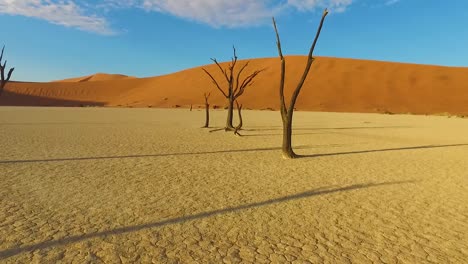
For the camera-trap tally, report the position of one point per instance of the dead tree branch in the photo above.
(3, 80)
(287, 112)
(236, 84)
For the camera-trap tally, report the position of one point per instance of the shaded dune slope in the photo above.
(334, 84)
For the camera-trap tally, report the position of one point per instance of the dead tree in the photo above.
(287, 112)
(2, 73)
(207, 110)
(239, 126)
(236, 87)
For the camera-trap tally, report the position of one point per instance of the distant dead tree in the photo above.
(236, 87)
(287, 112)
(239, 126)
(207, 110)
(2, 72)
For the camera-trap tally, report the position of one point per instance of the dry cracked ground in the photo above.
(103, 185)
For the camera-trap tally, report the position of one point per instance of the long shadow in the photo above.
(229, 151)
(178, 220)
(144, 155)
(324, 128)
(279, 134)
(380, 150)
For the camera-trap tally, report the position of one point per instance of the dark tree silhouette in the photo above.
(287, 112)
(207, 110)
(236, 87)
(4, 80)
(239, 126)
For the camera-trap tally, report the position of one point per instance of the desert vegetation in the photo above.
(287, 111)
(236, 85)
(4, 80)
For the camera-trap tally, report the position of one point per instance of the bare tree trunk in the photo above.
(207, 111)
(3, 80)
(239, 112)
(229, 126)
(207, 115)
(288, 152)
(190, 108)
(239, 126)
(287, 112)
(2, 86)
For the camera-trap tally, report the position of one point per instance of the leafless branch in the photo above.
(215, 82)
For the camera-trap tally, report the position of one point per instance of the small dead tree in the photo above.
(287, 112)
(236, 87)
(239, 126)
(4, 80)
(207, 110)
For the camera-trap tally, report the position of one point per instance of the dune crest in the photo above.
(334, 84)
(97, 77)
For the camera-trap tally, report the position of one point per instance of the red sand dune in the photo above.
(334, 84)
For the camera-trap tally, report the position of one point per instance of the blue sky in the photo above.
(55, 39)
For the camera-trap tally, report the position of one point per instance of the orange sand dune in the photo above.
(334, 84)
(97, 77)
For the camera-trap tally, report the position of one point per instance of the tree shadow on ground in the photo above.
(278, 128)
(180, 220)
(324, 128)
(147, 155)
(232, 151)
(380, 150)
(280, 134)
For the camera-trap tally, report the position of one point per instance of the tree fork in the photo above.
(236, 86)
(287, 112)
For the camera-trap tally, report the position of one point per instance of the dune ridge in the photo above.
(333, 85)
(97, 77)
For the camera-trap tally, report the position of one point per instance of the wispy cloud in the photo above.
(391, 2)
(307, 5)
(229, 13)
(60, 12)
(216, 13)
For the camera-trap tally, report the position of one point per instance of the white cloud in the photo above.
(61, 12)
(230, 13)
(81, 14)
(307, 5)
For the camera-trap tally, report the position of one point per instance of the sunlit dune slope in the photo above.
(334, 84)
(97, 77)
